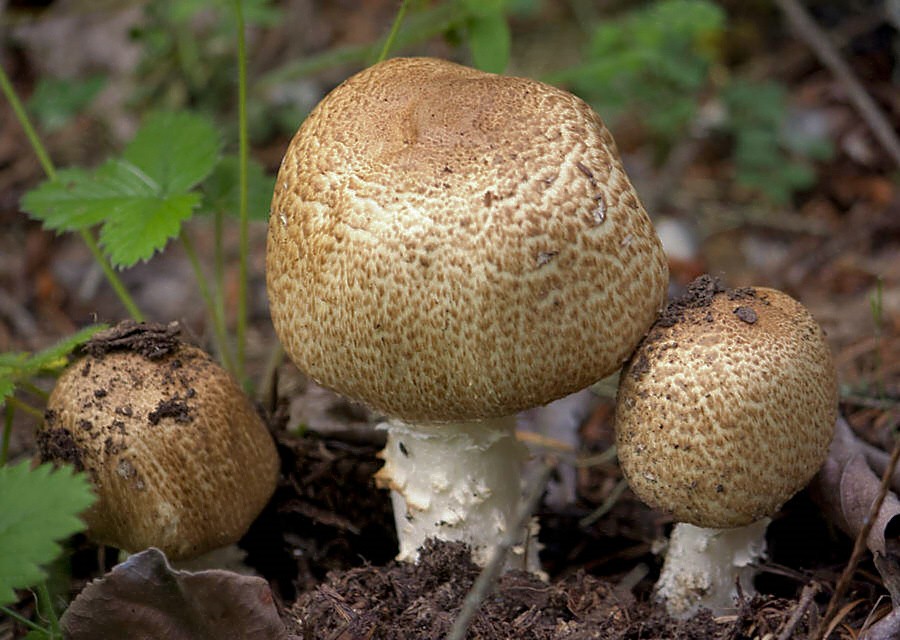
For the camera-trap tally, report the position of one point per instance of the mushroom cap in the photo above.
(447, 244)
(178, 457)
(727, 407)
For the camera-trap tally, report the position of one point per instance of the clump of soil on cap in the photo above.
(698, 294)
(421, 601)
(58, 444)
(150, 339)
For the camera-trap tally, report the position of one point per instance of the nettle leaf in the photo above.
(176, 149)
(37, 507)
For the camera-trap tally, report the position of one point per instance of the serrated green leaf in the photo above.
(489, 41)
(38, 507)
(222, 189)
(176, 149)
(143, 226)
(73, 201)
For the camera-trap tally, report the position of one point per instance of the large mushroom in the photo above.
(724, 412)
(450, 247)
(176, 452)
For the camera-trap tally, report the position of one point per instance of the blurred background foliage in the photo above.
(666, 69)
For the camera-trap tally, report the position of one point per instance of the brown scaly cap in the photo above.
(448, 244)
(177, 454)
(727, 407)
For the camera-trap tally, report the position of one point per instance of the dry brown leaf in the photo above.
(144, 598)
(846, 487)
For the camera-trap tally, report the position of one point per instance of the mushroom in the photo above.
(450, 247)
(176, 452)
(724, 412)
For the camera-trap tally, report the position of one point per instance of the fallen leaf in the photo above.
(846, 486)
(144, 598)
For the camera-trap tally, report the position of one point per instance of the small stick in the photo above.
(485, 581)
(806, 598)
(859, 545)
(828, 55)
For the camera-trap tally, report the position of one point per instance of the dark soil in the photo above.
(150, 339)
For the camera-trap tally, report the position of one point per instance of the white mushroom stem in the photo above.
(457, 482)
(703, 567)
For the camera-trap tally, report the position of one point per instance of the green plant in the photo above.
(652, 62)
(37, 507)
(127, 209)
(659, 64)
(765, 159)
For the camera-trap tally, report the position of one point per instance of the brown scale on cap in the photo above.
(177, 454)
(727, 407)
(448, 244)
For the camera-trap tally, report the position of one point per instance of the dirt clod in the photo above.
(746, 314)
(151, 340)
(174, 408)
(58, 445)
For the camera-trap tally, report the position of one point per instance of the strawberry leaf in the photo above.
(37, 507)
(176, 149)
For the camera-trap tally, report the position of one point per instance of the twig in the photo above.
(828, 55)
(485, 581)
(806, 598)
(859, 545)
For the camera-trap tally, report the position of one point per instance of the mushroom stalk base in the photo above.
(457, 482)
(703, 566)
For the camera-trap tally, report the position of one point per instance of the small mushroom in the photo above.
(176, 452)
(450, 247)
(724, 412)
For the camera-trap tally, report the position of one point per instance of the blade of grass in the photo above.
(420, 26)
(395, 28)
(47, 164)
(243, 155)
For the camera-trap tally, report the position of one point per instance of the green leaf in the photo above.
(489, 41)
(138, 215)
(222, 189)
(37, 507)
(175, 149)
(56, 100)
(75, 200)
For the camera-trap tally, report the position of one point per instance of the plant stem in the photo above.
(47, 164)
(211, 307)
(17, 403)
(22, 620)
(33, 389)
(420, 26)
(111, 276)
(8, 413)
(219, 266)
(395, 28)
(243, 155)
(46, 608)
